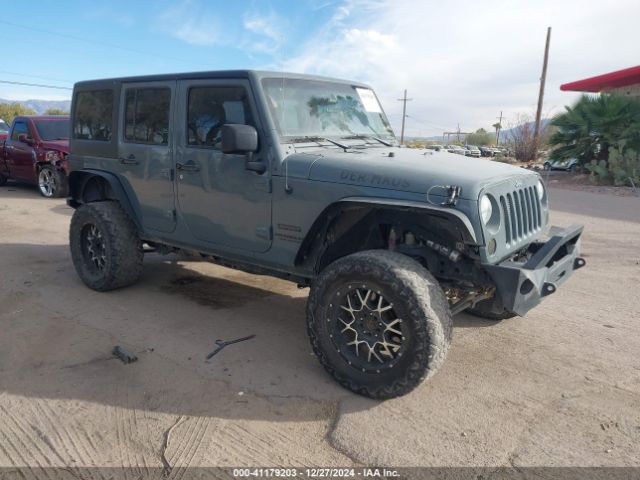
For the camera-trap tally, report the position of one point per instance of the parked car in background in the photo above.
(487, 151)
(472, 151)
(457, 150)
(437, 148)
(35, 151)
(569, 165)
(4, 130)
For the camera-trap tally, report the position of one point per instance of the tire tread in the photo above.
(423, 297)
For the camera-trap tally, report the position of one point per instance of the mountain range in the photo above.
(40, 106)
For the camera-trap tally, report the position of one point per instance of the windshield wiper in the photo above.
(367, 137)
(318, 140)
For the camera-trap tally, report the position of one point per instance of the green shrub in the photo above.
(624, 166)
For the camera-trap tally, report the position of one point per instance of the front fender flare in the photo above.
(458, 218)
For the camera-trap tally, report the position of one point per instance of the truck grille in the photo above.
(521, 214)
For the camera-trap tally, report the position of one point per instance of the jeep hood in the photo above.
(406, 170)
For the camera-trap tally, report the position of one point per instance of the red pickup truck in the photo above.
(35, 151)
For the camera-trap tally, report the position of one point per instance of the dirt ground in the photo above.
(560, 387)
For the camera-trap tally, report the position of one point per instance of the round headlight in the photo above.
(485, 209)
(540, 189)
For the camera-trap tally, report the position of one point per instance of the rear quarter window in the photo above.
(93, 115)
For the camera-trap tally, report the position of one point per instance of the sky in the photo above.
(462, 62)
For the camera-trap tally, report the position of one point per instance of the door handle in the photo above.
(188, 167)
(130, 160)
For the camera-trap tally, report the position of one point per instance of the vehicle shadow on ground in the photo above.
(15, 186)
(58, 335)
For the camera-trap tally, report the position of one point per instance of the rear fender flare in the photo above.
(80, 181)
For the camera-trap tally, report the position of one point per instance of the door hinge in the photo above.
(264, 232)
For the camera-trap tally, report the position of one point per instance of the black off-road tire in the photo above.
(419, 299)
(123, 254)
(484, 310)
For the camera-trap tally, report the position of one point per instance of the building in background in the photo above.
(622, 82)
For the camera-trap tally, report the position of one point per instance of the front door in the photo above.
(145, 150)
(221, 202)
(20, 155)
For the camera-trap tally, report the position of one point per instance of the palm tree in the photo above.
(593, 125)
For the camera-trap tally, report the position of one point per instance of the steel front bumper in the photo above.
(521, 285)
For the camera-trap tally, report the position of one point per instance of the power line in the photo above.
(96, 42)
(35, 76)
(427, 124)
(35, 85)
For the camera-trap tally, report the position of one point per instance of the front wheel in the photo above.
(379, 323)
(52, 183)
(105, 247)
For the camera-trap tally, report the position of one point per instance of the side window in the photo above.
(20, 128)
(93, 115)
(211, 107)
(146, 115)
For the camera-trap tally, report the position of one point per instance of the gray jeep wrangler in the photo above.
(301, 178)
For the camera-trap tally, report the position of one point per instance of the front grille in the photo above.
(521, 214)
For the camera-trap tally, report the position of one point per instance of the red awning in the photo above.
(621, 78)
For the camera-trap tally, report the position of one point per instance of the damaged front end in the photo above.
(523, 281)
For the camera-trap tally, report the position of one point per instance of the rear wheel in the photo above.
(52, 182)
(3, 180)
(105, 247)
(379, 323)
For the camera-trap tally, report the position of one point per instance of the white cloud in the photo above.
(465, 61)
(190, 22)
(264, 32)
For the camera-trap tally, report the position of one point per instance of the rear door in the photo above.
(145, 149)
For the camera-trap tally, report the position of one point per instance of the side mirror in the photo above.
(238, 138)
(23, 137)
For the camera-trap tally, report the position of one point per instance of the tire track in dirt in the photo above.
(182, 459)
(14, 440)
(65, 436)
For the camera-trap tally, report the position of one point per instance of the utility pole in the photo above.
(404, 101)
(498, 128)
(543, 79)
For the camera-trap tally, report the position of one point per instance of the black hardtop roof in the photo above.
(257, 74)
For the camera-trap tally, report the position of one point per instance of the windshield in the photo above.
(3, 127)
(316, 108)
(53, 129)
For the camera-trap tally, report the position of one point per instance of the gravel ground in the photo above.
(560, 387)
